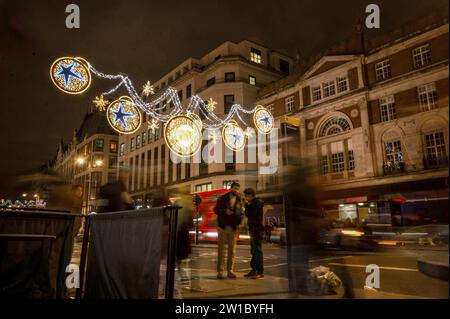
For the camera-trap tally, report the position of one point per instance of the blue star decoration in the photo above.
(237, 136)
(265, 118)
(67, 72)
(121, 116)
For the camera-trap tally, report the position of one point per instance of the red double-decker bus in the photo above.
(206, 220)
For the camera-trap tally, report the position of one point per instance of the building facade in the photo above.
(371, 123)
(90, 158)
(231, 73)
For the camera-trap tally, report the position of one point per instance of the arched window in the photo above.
(334, 125)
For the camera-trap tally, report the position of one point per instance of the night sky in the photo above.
(144, 39)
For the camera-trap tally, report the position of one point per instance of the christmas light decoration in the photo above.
(249, 132)
(182, 136)
(211, 105)
(70, 75)
(124, 116)
(153, 125)
(263, 119)
(233, 136)
(73, 75)
(148, 89)
(100, 103)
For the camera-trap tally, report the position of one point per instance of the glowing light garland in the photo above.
(73, 75)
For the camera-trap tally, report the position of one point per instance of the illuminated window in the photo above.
(337, 157)
(203, 187)
(334, 125)
(122, 149)
(98, 145)
(393, 152)
(132, 144)
(251, 80)
(113, 146)
(138, 141)
(144, 138)
(255, 55)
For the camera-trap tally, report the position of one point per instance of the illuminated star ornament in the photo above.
(148, 89)
(153, 125)
(233, 136)
(263, 120)
(100, 103)
(124, 116)
(71, 75)
(249, 132)
(211, 105)
(183, 136)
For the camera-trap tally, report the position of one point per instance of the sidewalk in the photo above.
(204, 284)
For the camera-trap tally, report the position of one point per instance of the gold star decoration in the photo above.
(148, 89)
(211, 105)
(153, 124)
(100, 103)
(249, 132)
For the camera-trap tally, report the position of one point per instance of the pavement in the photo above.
(400, 277)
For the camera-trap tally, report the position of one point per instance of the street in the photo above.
(399, 275)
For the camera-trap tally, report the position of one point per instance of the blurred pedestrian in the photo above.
(229, 210)
(184, 224)
(254, 213)
(113, 196)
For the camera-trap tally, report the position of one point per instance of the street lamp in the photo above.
(24, 195)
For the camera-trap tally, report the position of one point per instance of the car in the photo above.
(431, 234)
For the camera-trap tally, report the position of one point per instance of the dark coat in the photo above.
(254, 213)
(223, 203)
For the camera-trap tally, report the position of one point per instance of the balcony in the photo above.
(392, 168)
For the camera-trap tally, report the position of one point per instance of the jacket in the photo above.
(223, 203)
(254, 213)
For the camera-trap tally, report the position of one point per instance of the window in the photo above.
(422, 56)
(289, 103)
(180, 95)
(435, 150)
(187, 170)
(144, 138)
(132, 144)
(427, 97)
(138, 141)
(229, 76)
(351, 156)
(113, 146)
(211, 81)
(112, 163)
(387, 108)
(334, 125)
(316, 93)
(383, 70)
(150, 136)
(98, 145)
(284, 66)
(342, 84)
(227, 184)
(188, 91)
(328, 89)
(228, 102)
(122, 149)
(178, 168)
(337, 157)
(203, 187)
(255, 55)
(393, 152)
(324, 160)
(251, 80)
(156, 133)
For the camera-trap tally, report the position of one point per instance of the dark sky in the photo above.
(144, 39)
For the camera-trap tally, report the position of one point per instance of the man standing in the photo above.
(229, 212)
(254, 213)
